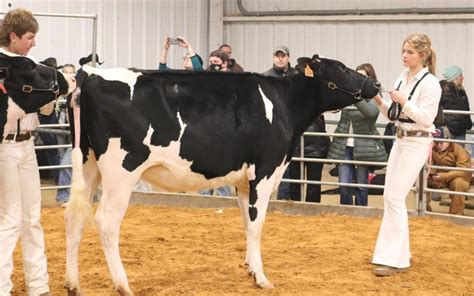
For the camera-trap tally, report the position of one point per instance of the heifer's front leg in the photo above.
(109, 216)
(257, 210)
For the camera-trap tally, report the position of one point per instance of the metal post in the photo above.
(420, 204)
(94, 41)
(302, 176)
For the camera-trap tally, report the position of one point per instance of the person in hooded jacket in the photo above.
(454, 97)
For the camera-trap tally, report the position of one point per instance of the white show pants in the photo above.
(406, 159)
(20, 207)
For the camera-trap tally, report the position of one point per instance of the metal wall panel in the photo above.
(231, 7)
(130, 32)
(351, 41)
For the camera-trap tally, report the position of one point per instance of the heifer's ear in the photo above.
(303, 65)
(316, 58)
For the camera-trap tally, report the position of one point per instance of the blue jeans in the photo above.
(65, 176)
(221, 191)
(460, 137)
(349, 173)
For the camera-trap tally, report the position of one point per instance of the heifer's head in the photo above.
(32, 85)
(339, 85)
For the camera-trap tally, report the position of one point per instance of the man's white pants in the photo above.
(406, 159)
(20, 207)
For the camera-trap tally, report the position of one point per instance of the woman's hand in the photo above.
(183, 42)
(166, 43)
(398, 97)
(378, 100)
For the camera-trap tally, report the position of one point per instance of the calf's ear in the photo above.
(302, 63)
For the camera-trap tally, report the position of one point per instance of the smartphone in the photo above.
(174, 41)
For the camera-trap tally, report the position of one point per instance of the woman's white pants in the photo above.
(406, 159)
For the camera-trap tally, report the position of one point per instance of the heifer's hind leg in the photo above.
(259, 198)
(243, 200)
(109, 216)
(79, 210)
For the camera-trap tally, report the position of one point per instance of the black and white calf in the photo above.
(26, 86)
(185, 131)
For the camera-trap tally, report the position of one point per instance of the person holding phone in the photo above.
(418, 92)
(191, 60)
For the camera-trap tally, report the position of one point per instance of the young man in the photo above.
(20, 195)
(233, 65)
(281, 63)
(453, 155)
(281, 67)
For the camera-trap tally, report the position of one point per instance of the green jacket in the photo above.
(363, 123)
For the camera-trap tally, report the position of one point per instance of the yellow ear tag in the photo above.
(308, 71)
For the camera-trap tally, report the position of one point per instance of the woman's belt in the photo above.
(403, 133)
(19, 137)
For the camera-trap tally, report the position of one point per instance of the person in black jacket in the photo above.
(314, 147)
(454, 97)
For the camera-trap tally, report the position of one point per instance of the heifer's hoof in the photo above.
(124, 291)
(72, 291)
(262, 282)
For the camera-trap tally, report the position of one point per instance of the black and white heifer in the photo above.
(185, 131)
(26, 86)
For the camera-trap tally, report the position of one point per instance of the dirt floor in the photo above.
(172, 250)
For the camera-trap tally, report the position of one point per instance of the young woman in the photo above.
(361, 122)
(20, 195)
(418, 92)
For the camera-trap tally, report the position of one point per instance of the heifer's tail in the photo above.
(79, 206)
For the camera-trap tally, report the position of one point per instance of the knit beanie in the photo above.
(452, 72)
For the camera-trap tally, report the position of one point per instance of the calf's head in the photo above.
(32, 85)
(338, 86)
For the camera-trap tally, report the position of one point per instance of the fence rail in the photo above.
(58, 129)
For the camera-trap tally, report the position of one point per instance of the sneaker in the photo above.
(384, 270)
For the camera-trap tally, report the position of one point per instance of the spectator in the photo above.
(20, 194)
(218, 61)
(410, 150)
(191, 60)
(360, 122)
(281, 67)
(453, 155)
(51, 156)
(64, 179)
(314, 147)
(68, 69)
(281, 63)
(233, 65)
(454, 97)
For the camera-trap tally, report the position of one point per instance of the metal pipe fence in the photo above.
(420, 203)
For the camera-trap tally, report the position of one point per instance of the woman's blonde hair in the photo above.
(422, 44)
(19, 21)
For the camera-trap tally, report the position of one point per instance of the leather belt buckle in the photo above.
(399, 133)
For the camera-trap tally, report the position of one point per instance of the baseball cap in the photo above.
(281, 48)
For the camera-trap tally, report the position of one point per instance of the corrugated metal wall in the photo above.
(353, 40)
(130, 32)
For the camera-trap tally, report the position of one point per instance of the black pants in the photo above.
(293, 191)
